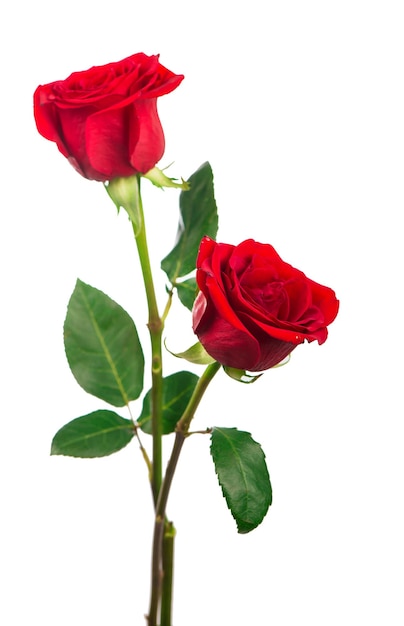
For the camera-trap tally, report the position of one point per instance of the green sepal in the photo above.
(195, 354)
(241, 375)
(243, 476)
(177, 391)
(159, 179)
(97, 434)
(125, 193)
(198, 217)
(102, 346)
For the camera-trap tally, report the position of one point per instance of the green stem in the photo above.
(168, 565)
(180, 436)
(185, 421)
(168, 305)
(155, 326)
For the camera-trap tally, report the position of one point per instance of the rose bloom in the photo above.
(253, 309)
(104, 120)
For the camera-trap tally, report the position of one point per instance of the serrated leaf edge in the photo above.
(243, 473)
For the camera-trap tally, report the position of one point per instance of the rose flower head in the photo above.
(104, 120)
(253, 309)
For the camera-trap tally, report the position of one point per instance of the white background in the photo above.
(299, 108)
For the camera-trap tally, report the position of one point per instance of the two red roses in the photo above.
(252, 309)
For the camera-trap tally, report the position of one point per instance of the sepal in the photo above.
(241, 375)
(195, 354)
(159, 179)
(124, 193)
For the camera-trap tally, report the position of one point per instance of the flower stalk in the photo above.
(155, 326)
(164, 532)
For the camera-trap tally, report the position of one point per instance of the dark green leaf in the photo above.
(102, 346)
(96, 434)
(187, 290)
(198, 218)
(177, 391)
(243, 476)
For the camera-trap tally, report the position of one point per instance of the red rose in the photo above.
(253, 309)
(104, 120)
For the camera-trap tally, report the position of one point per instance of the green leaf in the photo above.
(243, 476)
(96, 434)
(195, 354)
(198, 218)
(187, 290)
(177, 391)
(102, 346)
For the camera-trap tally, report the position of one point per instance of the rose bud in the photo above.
(104, 120)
